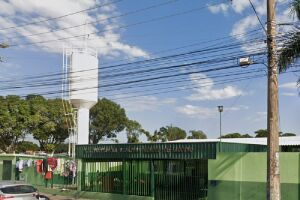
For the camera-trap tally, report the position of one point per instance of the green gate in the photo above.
(161, 179)
(7, 170)
(137, 178)
(180, 180)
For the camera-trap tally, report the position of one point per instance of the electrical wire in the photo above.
(61, 16)
(115, 28)
(96, 21)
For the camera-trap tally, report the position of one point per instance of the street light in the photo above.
(220, 108)
(4, 45)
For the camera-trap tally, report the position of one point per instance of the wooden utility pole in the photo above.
(273, 175)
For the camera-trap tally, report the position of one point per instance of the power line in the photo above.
(257, 16)
(114, 28)
(97, 21)
(140, 80)
(62, 16)
(158, 68)
(203, 51)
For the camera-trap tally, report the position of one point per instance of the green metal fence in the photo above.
(162, 179)
(102, 177)
(130, 177)
(137, 176)
(180, 180)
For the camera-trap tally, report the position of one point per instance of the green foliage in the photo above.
(35, 115)
(62, 148)
(133, 131)
(107, 119)
(236, 135)
(24, 146)
(14, 118)
(296, 8)
(264, 133)
(49, 148)
(261, 133)
(291, 50)
(288, 134)
(197, 135)
(47, 121)
(168, 133)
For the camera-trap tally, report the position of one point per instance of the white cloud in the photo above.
(205, 90)
(6, 8)
(219, 8)
(260, 116)
(239, 32)
(240, 5)
(143, 103)
(243, 25)
(260, 7)
(237, 6)
(237, 108)
(289, 94)
(290, 85)
(107, 42)
(197, 112)
(203, 112)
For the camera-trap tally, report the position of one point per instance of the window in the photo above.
(18, 189)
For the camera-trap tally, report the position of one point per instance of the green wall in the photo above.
(10, 158)
(243, 176)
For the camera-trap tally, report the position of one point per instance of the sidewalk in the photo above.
(58, 194)
(59, 197)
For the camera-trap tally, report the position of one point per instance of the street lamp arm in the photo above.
(4, 45)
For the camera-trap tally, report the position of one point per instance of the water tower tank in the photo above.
(83, 88)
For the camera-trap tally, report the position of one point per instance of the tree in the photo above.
(106, 120)
(168, 133)
(133, 131)
(47, 121)
(197, 135)
(291, 49)
(236, 135)
(288, 134)
(14, 117)
(264, 133)
(62, 148)
(24, 146)
(261, 133)
(156, 137)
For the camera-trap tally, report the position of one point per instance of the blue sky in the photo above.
(203, 24)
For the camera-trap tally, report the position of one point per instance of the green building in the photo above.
(181, 170)
(187, 169)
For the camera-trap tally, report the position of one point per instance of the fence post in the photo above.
(152, 178)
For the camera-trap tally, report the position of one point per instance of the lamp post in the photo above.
(4, 45)
(220, 109)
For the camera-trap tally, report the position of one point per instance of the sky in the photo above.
(128, 31)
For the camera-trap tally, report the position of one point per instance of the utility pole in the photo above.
(273, 175)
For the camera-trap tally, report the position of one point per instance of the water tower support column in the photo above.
(83, 125)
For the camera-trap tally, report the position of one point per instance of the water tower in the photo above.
(82, 74)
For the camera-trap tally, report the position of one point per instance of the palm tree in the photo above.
(291, 50)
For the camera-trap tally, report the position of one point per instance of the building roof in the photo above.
(283, 141)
